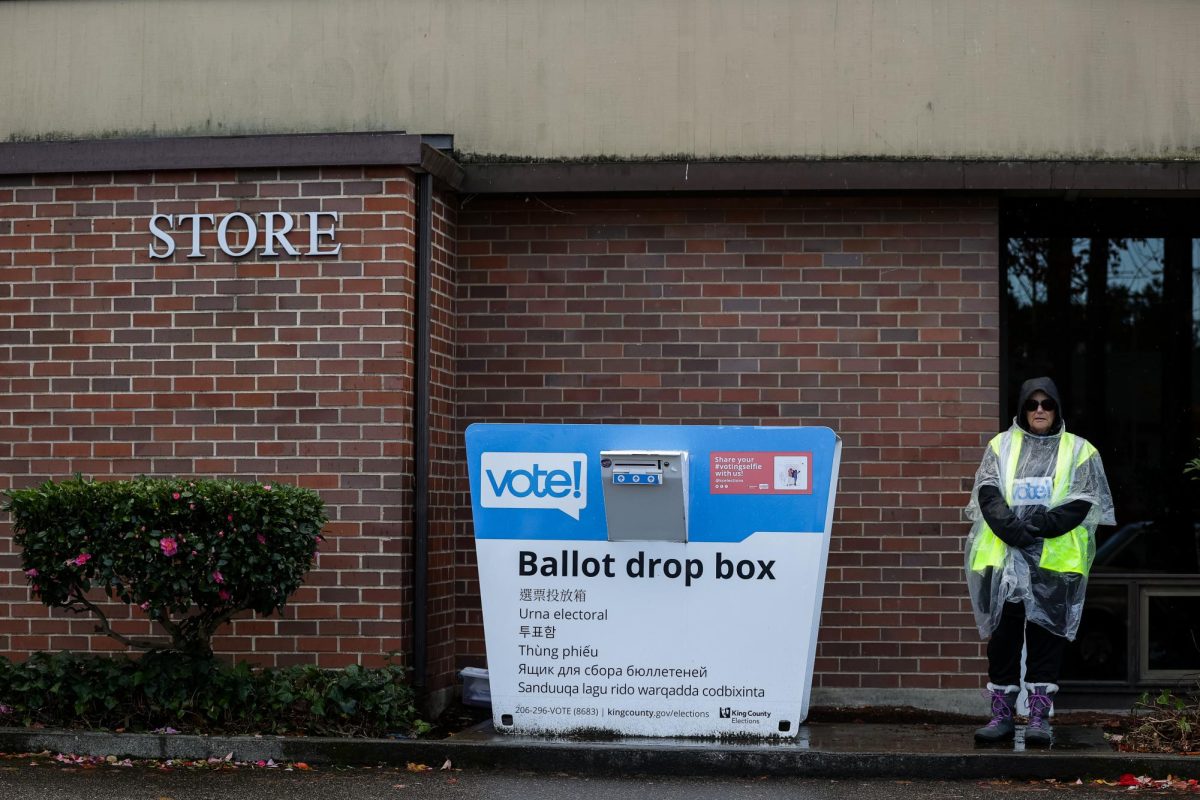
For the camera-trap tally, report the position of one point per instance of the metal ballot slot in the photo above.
(645, 494)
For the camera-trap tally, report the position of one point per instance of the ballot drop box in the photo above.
(651, 580)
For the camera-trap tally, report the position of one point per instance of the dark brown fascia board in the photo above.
(224, 152)
(403, 149)
(831, 176)
(441, 166)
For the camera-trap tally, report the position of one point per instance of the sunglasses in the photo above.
(1048, 404)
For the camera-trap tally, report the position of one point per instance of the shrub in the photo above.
(1165, 723)
(189, 553)
(166, 689)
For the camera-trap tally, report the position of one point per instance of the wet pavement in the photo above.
(848, 738)
(27, 782)
(843, 750)
(957, 738)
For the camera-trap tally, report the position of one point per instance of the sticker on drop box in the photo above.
(760, 473)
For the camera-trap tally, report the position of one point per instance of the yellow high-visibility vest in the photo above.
(1066, 553)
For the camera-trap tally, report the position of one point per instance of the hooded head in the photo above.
(1032, 386)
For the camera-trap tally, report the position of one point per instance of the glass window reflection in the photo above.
(1101, 647)
(1172, 622)
(1105, 297)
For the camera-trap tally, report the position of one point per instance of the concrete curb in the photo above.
(640, 757)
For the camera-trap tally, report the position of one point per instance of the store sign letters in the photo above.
(267, 231)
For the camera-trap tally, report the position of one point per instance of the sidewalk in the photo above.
(837, 750)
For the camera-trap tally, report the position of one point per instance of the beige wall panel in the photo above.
(626, 78)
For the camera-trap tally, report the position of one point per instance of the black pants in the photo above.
(1043, 650)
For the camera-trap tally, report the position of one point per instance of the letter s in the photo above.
(161, 235)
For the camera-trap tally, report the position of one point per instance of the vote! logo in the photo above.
(1032, 491)
(535, 480)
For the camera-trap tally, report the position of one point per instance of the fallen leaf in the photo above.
(446, 765)
(415, 767)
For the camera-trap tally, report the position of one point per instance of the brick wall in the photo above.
(281, 369)
(876, 316)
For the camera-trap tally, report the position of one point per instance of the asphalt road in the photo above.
(22, 779)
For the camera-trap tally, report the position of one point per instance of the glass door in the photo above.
(1104, 296)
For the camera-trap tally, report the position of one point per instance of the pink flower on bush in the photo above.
(175, 495)
(81, 559)
(31, 573)
(218, 577)
(145, 606)
(224, 595)
(168, 546)
(267, 486)
(229, 518)
(262, 539)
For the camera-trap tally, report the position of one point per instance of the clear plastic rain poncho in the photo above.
(1048, 575)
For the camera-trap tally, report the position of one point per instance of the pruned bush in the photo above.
(173, 690)
(1164, 723)
(188, 553)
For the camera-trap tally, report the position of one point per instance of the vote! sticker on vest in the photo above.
(1032, 492)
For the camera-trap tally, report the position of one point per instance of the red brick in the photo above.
(170, 289)
(769, 380)
(738, 312)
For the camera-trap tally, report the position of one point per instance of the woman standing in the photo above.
(1039, 494)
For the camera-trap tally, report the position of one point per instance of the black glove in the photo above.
(1050, 522)
(1034, 535)
(1003, 522)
